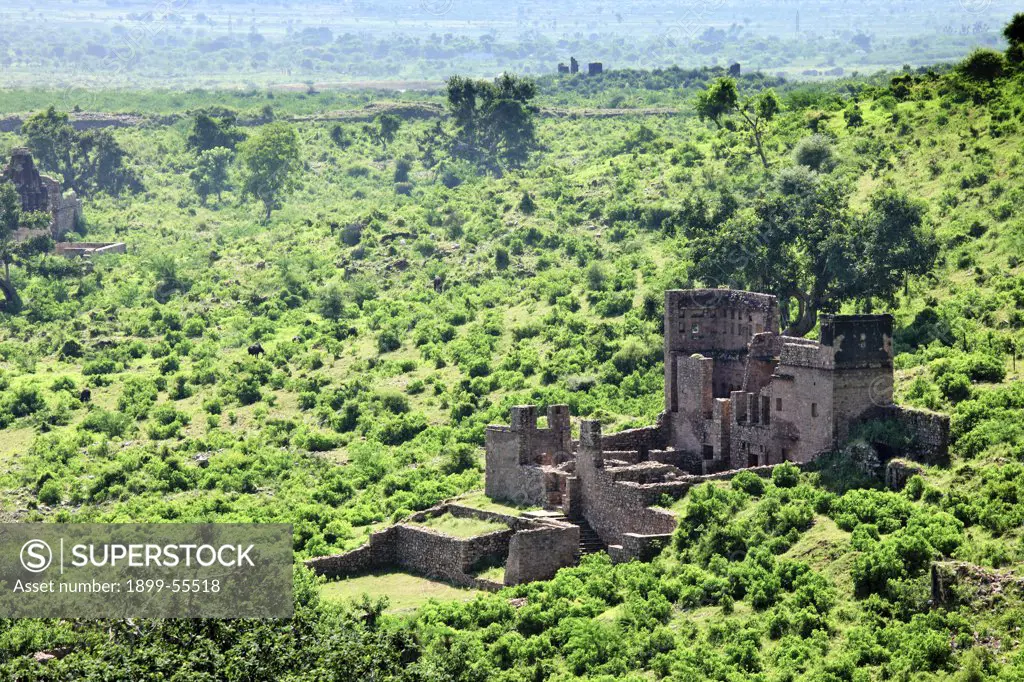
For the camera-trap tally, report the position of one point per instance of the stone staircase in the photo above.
(590, 541)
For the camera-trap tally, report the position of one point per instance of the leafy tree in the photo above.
(721, 99)
(10, 217)
(339, 137)
(270, 162)
(1014, 34)
(815, 152)
(1014, 31)
(100, 161)
(210, 131)
(801, 241)
(210, 176)
(982, 65)
(494, 123)
(897, 244)
(718, 101)
(52, 141)
(86, 161)
(383, 130)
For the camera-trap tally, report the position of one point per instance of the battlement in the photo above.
(858, 340)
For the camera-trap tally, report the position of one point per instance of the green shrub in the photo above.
(786, 475)
(51, 492)
(749, 482)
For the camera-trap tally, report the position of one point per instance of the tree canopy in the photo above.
(721, 99)
(494, 125)
(801, 241)
(270, 161)
(87, 161)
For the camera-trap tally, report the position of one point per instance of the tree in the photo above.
(721, 99)
(897, 244)
(1014, 34)
(1014, 31)
(10, 217)
(384, 129)
(86, 161)
(815, 152)
(210, 176)
(53, 143)
(210, 131)
(270, 161)
(983, 65)
(100, 164)
(801, 241)
(718, 101)
(493, 122)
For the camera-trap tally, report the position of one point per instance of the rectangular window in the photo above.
(778, 404)
(695, 331)
(709, 452)
(814, 409)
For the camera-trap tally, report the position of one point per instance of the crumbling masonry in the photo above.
(738, 395)
(41, 193)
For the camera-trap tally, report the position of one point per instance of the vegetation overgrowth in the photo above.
(408, 293)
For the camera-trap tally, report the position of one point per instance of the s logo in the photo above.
(36, 556)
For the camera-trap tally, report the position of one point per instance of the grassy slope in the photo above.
(542, 312)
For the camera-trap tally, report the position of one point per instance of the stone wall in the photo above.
(613, 508)
(421, 551)
(641, 440)
(83, 249)
(930, 432)
(432, 554)
(898, 472)
(538, 554)
(506, 479)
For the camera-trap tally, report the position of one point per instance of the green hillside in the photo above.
(404, 305)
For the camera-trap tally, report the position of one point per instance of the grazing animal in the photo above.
(256, 350)
(85, 396)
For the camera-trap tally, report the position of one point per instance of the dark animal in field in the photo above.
(85, 396)
(256, 350)
(296, 339)
(438, 284)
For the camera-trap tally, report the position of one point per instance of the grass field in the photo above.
(461, 527)
(405, 592)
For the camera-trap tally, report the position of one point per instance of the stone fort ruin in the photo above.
(738, 396)
(41, 193)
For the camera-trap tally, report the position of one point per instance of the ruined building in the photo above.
(738, 396)
(41, 193)
(593, 68)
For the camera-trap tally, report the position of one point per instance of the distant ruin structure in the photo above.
(41, 193)
(593, 68)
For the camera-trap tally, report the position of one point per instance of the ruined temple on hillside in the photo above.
(41, 193)
(738, 396)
